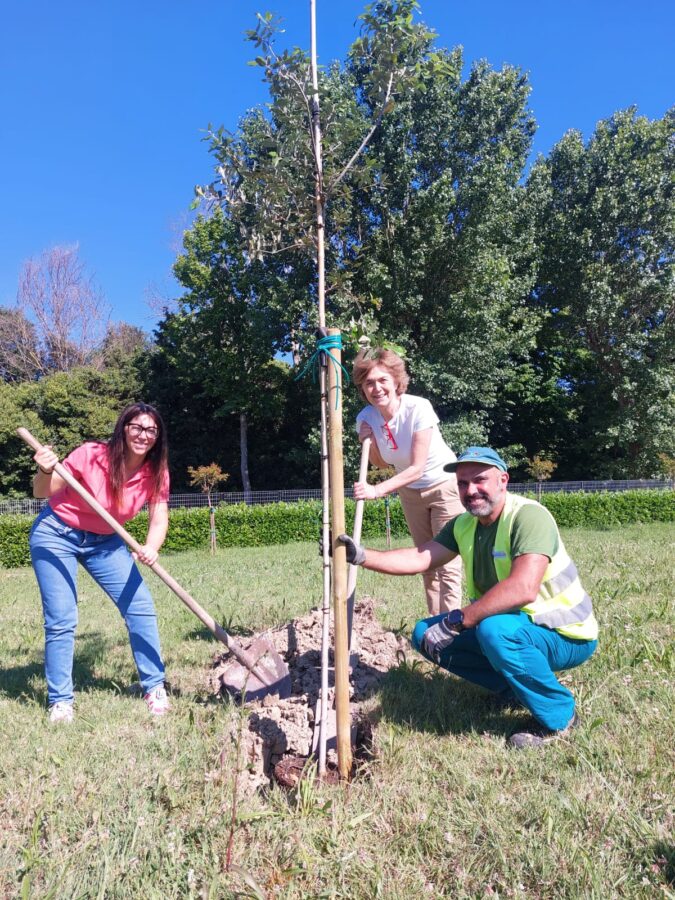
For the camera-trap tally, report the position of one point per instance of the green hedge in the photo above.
(14, 540)
(283, 523)
(239, 525)
(606, 509)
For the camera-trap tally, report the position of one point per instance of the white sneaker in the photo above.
(61, 712)
(157, 700)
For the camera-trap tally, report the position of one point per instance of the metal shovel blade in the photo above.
(246, 685)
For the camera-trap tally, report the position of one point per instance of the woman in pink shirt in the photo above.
(124, 474)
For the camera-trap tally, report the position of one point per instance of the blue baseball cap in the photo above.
(478, 455)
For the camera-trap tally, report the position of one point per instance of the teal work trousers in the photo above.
(509, 654)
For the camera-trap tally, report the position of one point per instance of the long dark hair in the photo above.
(157, 456)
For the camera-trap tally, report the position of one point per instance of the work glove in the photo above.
(356, 554)
(437, 638)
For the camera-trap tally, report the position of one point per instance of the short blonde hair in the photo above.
(379, 356)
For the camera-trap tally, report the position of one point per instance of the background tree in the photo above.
(64, 409)
(218, 351)
(540, 467)
(19, 351)
(606, 225)
(668, 467)
(121, 343)
(207, 479)
(17, 407)
(124, 356)
(446, 252)
(60, 314)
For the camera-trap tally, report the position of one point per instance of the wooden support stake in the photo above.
(344, 737)
(325, 534)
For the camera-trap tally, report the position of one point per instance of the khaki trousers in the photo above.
(426, 512)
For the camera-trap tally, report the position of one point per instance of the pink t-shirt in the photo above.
(89, 465)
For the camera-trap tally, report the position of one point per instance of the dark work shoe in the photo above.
(537, 735)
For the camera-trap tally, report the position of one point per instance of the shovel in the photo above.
(356, 537)
(260, 669)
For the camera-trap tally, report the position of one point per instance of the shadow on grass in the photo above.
(18, 682)
(438, 703)
(664, 860)
(204, 633)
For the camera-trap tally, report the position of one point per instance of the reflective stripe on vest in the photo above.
(561, 603)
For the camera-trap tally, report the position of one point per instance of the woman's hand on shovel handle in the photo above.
(147, 554)
(365, 491)
(45, 481)
(46, 459)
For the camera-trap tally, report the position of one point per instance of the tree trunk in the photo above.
(243, 449)
(295, 350)
(212, 522)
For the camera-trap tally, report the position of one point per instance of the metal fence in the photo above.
(30, 506)
(571, 487)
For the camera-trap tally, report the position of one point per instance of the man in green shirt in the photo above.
(528, 615)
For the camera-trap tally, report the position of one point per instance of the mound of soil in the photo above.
(279, 731)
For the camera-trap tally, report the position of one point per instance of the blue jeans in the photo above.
(55, 550)
(508, 653)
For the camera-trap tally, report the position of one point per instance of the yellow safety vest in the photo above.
(561, 603)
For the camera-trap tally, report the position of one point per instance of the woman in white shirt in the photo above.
(404, 434)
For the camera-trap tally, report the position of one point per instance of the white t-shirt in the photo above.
(394, 438)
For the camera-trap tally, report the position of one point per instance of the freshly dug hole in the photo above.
(279, 733)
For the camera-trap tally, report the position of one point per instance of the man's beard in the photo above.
(482, 506)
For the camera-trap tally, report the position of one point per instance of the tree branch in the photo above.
(365, 141)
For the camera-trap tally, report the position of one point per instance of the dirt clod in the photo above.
(280, 732)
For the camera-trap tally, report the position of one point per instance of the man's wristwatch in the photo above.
(455, 619)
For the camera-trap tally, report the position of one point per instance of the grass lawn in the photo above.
(119, 806)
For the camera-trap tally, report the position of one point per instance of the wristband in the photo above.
(45, 472)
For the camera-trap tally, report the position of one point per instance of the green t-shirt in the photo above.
(534, 531)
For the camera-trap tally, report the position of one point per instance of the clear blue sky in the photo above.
(103, 104)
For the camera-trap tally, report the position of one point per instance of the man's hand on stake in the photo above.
(356, 554)
(438, 637)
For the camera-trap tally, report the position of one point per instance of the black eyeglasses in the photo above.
(138, 430)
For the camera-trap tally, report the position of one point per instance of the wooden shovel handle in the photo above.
(358, 514)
